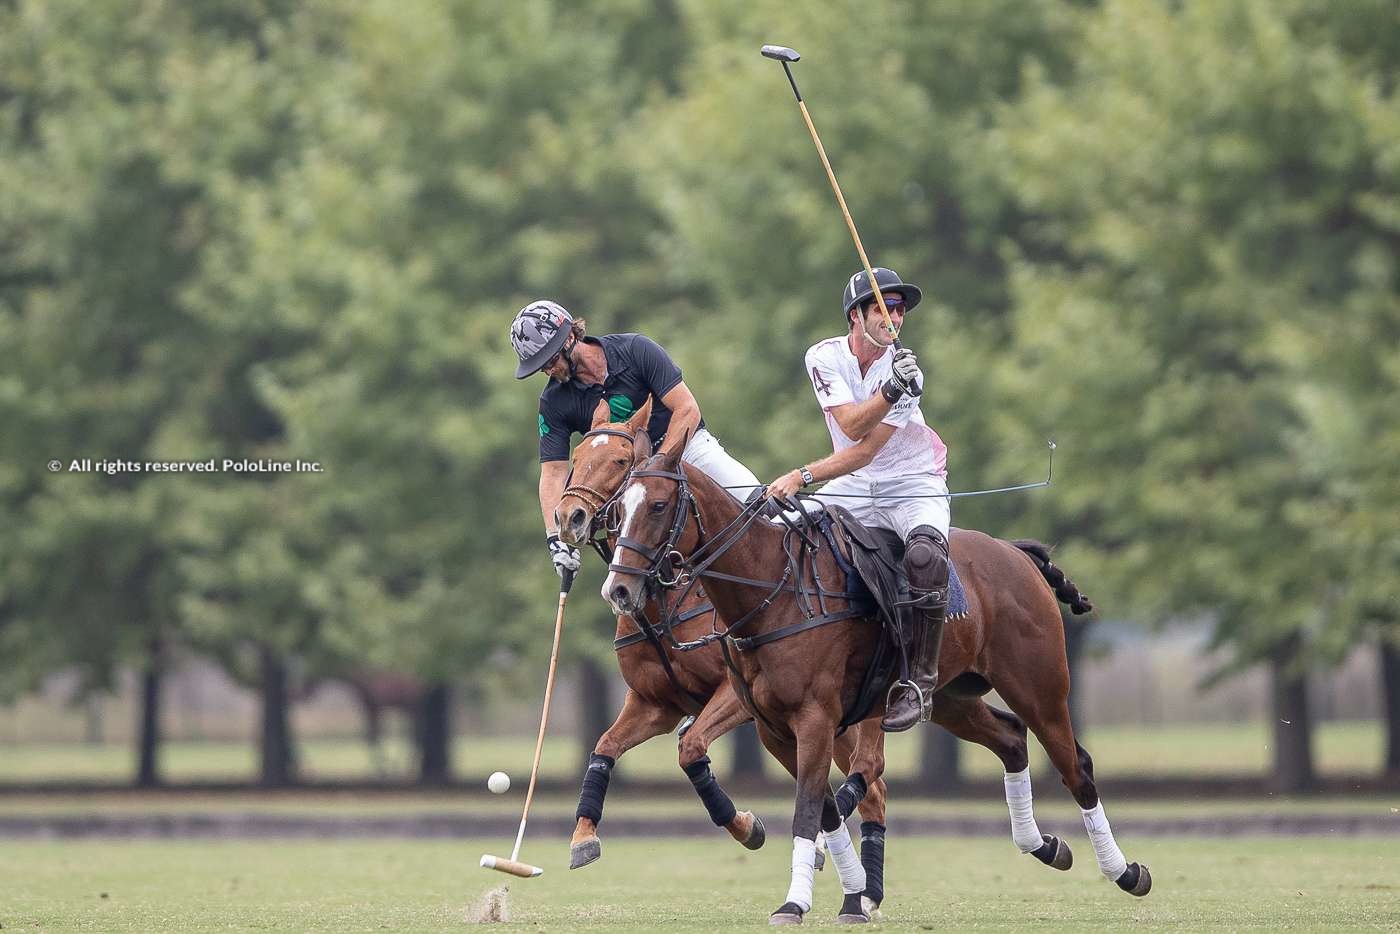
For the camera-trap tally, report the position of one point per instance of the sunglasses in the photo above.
(893, 304)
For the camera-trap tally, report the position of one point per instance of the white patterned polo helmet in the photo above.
(537, 334)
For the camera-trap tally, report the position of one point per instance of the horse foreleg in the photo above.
(721, 714)
(861, 752)
(814, 809)
(638, 721)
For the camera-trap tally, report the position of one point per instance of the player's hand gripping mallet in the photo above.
(780, 53)
(512, 865)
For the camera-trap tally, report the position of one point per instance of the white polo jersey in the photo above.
(912, 450)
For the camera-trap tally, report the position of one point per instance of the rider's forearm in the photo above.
(841, 463)
(684, 421)
(857, 419)
(552, 476)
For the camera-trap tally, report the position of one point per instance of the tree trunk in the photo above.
(278, 759)
(148, 738)
(596, 711)
(435, 736)
(92, 720)
(939, 756)
(1076, 640)
(748, 752)
(1292, 723)
(1390, 695)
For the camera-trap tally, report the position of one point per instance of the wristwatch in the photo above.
(807, 478)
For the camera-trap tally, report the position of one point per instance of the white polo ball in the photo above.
(499, 783)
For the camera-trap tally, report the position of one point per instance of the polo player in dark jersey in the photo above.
(622, 370)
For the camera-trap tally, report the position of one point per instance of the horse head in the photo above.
(654, 531)
(602, 461)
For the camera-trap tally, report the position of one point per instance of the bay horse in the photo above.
(656, 702)
(799, 676)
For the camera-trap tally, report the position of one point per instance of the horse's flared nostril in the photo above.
(620, 595)
(577, 520)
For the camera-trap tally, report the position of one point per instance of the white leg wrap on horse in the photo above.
(1111, 860)
(804, 864)
(843, 854)
(1018, 800)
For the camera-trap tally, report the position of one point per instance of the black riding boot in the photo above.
(926, 560)
(912, 702)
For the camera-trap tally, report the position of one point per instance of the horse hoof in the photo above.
(1135, 880)
(820, 859)
(581, 854)
(852, 911)
(871, 908)
(1054, 853)
(757, 834)
(789, 913)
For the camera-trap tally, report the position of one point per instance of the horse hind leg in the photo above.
(638, 721)
(973, 720)
(721, 714)
(1051, 724)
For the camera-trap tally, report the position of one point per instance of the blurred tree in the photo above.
(1204, 179)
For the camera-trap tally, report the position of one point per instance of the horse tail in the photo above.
(1064, 588)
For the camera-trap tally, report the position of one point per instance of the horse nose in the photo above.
(577, 521)
(621, 597)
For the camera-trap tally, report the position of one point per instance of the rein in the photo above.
(663, 559)
(602, 527)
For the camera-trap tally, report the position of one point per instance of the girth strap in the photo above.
(748, 643)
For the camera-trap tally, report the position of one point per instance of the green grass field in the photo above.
(671, 885)
(1194, 749)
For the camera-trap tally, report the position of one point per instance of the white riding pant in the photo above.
(705, 452)
(926, 503)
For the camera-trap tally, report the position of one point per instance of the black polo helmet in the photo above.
(858, 290)
(538, 332)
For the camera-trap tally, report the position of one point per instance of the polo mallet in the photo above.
(786, 56)
(512, 865)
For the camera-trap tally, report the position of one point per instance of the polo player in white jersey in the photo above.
(890, 464)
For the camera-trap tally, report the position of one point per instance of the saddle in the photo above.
(873, 562)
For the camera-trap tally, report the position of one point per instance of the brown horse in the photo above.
(761, 578)
(655, 703)
(665, 684)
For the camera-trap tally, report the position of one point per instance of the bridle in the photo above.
(604, 518)
(662, 560)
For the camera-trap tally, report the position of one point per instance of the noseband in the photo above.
(663, 561)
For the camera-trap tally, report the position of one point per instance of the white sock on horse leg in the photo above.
(843, 854)
(1024, 831)
(1112, 863)
(804, 864)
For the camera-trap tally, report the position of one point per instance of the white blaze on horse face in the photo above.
(601, 439)
(632, 499)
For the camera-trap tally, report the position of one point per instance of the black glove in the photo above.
(905, 377)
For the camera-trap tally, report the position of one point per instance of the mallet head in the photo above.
(501, 864)
(780, 53)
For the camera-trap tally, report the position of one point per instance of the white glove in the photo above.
(906, 377)
(564, 556)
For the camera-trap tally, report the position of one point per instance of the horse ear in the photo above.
(673, 459)
(639, 421)
(601, 414)
(641, 446)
